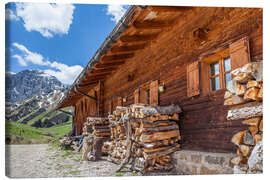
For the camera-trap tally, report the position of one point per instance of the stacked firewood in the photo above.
(146, 137)
(69, 143)
(246, 85)
(246, 88)
(95, 131)
(117, 146)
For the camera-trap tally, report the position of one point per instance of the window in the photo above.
(213, 72)
(220, 73)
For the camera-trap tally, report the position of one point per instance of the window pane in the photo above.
(215, 83)
(228, 78)
(214, 68)
(227, 64)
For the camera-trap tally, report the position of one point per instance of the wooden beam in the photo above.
(128, 48)
(112, 61)
(108, 65)
(137, 37)
(95, 77)
(151, 24)
(117, 56)
(87, 84)
(170, 8)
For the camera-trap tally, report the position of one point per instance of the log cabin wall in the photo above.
(203, 123)
(84, 108)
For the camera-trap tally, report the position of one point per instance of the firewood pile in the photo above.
(143, 137)
(95, 131)
(246, 89)
(246, 85)
(69, 143)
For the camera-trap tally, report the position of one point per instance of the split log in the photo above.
(260, 94)
(237, 139)
(159, 136)
(245, 150)
(253, 129)
(237, 100)
(227, 95)
(162, 153)
(251, 94)
(151, 111)
(253, 121)
(261, 126)
(245, 112)
(257, 138)
(248, 139)
(240, 90)
(237, 160)
(253, 83)
(228, 102)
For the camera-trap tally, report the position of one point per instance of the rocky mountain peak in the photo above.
(27, 83)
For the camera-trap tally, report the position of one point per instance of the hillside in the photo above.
(35, 117)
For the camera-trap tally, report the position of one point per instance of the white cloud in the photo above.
(9, 15)
(29, 56)
(48, 19)
(64, 73)
(20, 60)
(117, 11)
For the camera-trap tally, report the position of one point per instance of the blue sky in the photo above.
(59, 39)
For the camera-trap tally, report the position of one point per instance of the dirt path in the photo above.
(42, 160)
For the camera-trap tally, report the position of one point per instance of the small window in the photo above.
(227, 70)
(214, 76)
(220, 73)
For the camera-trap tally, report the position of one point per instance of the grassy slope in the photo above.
(28, 132)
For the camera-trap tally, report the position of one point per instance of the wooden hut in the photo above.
(163, 55)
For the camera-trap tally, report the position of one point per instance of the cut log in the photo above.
(245, 112)
(245, 150)
(227, 95)
(237, 160)
(240, 90)
(261, 126)
(242, 77)
(260, 94)
(253, 130)
(251, 94)
(257, 138)
(166, 110)
(228, 102)
(237, 100)
(159, 136)
(253, 83)
(253, 121)
(248, 139)
(237, 139)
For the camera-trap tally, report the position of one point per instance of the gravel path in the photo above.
(43, 160)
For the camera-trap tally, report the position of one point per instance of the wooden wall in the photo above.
(203, 123)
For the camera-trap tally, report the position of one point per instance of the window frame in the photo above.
(219, 57)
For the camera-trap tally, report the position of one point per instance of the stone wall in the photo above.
(196, 162)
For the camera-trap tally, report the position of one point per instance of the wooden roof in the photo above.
(137, 29)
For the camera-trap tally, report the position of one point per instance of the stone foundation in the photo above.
(196, 162)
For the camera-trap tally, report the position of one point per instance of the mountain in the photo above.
(27, 83)
(33, 96)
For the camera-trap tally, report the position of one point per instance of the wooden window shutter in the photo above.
(136, 96)
(154, 93)
(119, 101)
(193, 82)
(240, 53)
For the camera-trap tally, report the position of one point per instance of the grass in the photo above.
(28, 132)
(119, 174)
